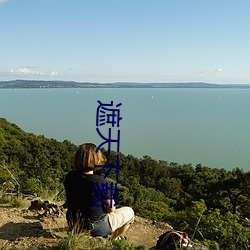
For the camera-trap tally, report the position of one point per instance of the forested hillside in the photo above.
(212, 205)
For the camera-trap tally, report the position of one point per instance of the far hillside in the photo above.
(16, 84)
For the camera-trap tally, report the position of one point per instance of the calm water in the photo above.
(207, 126)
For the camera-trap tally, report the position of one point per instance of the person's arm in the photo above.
(109, 207)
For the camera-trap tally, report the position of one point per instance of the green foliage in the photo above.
(83, 241)
(75, 241)
(37, 162)
(8, 186)
(212, 205)
(18, 202)
(119, 245)
(153, 210)
(216, 230)
(5, 199)
(227, 230)
(142, 193)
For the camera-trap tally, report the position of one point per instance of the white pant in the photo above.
(120, 217)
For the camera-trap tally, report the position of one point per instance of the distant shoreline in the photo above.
(21, 84)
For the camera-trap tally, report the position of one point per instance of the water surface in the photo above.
(207, 126)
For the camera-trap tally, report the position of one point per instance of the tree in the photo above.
(154, 210)
(237, 189)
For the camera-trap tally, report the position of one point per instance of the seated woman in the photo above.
(86, 209)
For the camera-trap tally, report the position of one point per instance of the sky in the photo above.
(125, 40)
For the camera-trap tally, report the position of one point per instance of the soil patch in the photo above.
(27, 229)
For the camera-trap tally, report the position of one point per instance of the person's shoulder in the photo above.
(72, 174)
(98, 178)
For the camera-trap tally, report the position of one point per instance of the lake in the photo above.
(207, 126)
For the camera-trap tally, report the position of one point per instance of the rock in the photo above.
(47, 207)
(36, 205)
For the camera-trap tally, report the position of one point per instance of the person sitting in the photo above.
(87, 208)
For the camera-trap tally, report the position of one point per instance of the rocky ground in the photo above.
(43, 228)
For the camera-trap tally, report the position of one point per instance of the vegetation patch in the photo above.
(212, 205)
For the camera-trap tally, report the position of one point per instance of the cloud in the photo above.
(22, 71)
(211, 72)
(218, 70)
(3, 1)
(31, 71)
(53, 73)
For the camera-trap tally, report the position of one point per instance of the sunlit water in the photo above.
(207, 126)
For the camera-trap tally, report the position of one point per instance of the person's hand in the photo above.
(110, 207)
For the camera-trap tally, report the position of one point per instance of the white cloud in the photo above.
(2, 1)
(53, 73)
(22, 71)
(211, 72)
(218, 70)
(32, 71)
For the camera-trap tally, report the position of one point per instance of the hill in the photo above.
(211, 204)
(71, 84)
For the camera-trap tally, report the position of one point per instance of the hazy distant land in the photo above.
(71, 84)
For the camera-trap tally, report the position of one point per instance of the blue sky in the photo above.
(125, 40)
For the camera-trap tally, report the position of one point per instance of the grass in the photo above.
(83, 241)
(5, 200)
(19, 202)
(14, 201)
(54, 195)
(75, 241)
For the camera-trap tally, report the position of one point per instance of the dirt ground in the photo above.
(25, 229)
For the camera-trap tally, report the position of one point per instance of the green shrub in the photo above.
(75, 241)
(18, 202)
(152, 210)
(120, 245)
(5, 200)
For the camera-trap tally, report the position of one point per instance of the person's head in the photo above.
(86, 158)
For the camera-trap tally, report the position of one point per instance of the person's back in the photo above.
(80, 187)
(88, 208)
